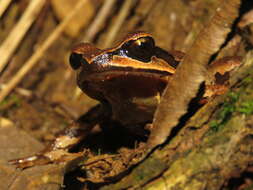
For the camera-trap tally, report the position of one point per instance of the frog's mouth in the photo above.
(114, 73)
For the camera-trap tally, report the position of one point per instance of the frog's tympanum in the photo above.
(128, 80)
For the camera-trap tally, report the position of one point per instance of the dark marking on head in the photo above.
(162, 54)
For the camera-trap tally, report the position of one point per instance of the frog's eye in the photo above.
(76, 60)
(141, 48)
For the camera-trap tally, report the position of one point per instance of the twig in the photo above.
(14, 38)
(3, 6)
(99, 20)
(21, 91)
(40, 51)
(118, 23)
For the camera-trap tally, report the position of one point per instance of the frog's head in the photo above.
(135, 67)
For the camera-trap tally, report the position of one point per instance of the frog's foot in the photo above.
(58, 151)
(56, 156)
(30, 161)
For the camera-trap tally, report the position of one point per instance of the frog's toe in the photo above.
(55, 156)
(30, 161)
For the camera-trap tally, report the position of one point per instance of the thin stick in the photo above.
(3, 6)
(21, 91)
(118, 23)
(14, 38)
(99, 20)
(40, 52)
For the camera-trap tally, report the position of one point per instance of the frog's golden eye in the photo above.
(141, 48)
(76, 60)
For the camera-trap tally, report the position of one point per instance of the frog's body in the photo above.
(128, 80)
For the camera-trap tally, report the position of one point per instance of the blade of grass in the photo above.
(3, 6)
(16, 35)
(40, 51)
(99, 20)
(113, 30)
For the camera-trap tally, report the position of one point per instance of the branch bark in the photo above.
(192, 72)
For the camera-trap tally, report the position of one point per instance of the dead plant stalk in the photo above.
(18, 32)
(40, 52)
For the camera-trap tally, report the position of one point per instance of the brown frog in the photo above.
(128, 80)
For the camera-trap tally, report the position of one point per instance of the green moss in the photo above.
(11, 100)
(246, 107)
(214, 125)
(224, 114)
(248, 79)
(236, 102)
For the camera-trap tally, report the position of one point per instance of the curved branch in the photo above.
(191, 72)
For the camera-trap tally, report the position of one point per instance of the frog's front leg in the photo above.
(217, 82)
(58, 151)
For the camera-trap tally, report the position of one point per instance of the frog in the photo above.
(128, 80)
